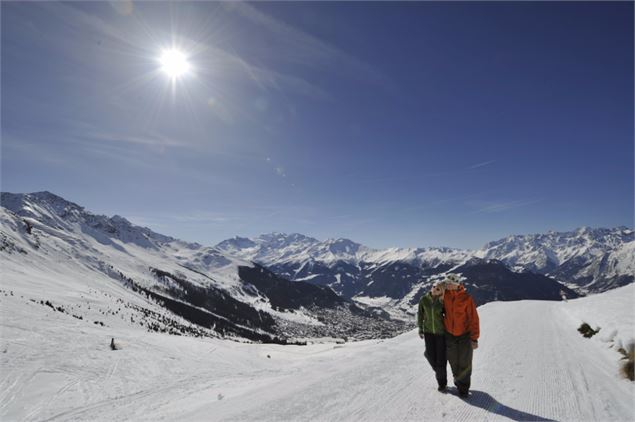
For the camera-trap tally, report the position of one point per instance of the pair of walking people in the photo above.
(449, 324)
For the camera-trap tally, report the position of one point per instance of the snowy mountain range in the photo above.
(183, 287)
(590, 260)
(279, 287)
(585, 261)
(104, 320)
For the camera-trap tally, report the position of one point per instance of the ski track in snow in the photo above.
(532, 364)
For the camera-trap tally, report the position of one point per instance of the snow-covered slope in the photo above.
(532, 364)
(593, 259)
(67, 290)
(55, 231)
(558, 247)
(55, 240)
(611, 313)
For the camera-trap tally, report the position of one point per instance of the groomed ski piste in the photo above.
(532, 364)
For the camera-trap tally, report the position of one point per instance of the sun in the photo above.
(174, 63)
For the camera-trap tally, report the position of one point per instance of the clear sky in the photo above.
(392, 124)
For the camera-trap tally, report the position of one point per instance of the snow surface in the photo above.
(617, 327)
(531, 364)
(622, 260)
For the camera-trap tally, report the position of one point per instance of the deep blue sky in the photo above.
(393, 124)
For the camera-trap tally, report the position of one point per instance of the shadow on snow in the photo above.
(489, 403)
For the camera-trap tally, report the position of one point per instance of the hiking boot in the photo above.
(463, 393)
(442, 388)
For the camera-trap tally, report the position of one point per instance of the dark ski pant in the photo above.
(460, 358)
(436, 355)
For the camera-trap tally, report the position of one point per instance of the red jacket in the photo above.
(460, 313)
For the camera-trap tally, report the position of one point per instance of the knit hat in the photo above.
(452, 279)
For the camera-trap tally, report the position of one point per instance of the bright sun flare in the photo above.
(174, 63)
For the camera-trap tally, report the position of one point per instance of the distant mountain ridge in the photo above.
(581, 261)
(542, 266)
(593, 260)
(281, 247)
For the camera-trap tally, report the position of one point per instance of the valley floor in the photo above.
(532, 364)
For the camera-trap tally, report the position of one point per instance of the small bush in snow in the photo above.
(586, 330)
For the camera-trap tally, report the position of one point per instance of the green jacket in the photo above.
(430, 315)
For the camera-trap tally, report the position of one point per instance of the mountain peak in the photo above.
(281, 236)
(51, 198)
(236, 243)
(35, 203)
(45, 194)
(281, 240)
(119, 219)
(342, 246)
(53, 210)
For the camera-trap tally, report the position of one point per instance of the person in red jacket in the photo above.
(461, 332)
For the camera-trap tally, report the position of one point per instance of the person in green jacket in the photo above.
(432, 330)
